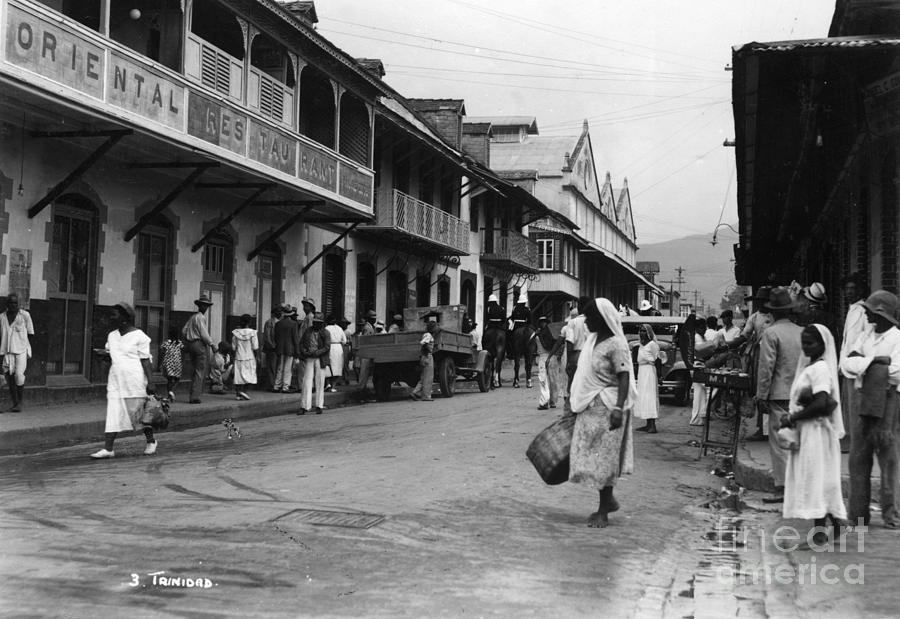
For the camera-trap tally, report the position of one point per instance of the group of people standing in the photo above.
(810, 393)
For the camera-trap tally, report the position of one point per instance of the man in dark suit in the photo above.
(287, 347)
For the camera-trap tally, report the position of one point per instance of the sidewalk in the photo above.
(53, 425)
(753, 469)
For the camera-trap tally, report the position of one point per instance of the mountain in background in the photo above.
(708, 269)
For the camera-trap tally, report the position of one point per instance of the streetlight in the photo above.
(714, 241)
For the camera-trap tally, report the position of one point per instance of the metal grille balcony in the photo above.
(400, 212)
(511, 250)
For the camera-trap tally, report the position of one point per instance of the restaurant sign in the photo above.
(144, 92)
(62, 56)
(318, 167)
(216, 124)
(355, 185)
(273, 148)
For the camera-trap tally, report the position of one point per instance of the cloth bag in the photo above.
(874, 391)
(155, 413)
(788, 438)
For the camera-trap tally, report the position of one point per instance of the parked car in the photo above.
(675, 335)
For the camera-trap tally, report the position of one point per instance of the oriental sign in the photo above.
(93, 72)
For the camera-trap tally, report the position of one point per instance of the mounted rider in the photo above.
(521, 319)
(496, 315)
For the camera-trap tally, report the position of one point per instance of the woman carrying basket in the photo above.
(129, 383)
(602, 395)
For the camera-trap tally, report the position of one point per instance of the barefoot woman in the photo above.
(602, 395)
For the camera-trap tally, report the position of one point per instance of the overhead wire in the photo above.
(674, 172)
(578, 76)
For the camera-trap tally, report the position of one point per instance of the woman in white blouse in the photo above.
(129, 381)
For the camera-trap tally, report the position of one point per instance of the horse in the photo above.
(493, 340)
(523, 343)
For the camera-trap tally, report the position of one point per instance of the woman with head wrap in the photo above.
(602, 396)
(812, 484)
(647, 405)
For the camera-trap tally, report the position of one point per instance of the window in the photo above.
(545, 254)
(443, 290)
(365, 288)
(564, 255)
(333, 285)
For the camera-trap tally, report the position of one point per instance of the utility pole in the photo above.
(696, 297)
(680, 279)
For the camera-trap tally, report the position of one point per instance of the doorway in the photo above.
(396, 293)
(217, 273)
(70, 285)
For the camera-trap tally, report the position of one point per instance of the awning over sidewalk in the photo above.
(625, 268)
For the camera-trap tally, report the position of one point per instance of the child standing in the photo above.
(245, 343)
(172, 353)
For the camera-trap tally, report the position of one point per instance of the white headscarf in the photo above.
(586, 385)
(830, 358)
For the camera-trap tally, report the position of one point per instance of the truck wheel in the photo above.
(447, 376)
(382, 388)
(484, 376)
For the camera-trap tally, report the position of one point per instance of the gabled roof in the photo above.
(437, 105)
(624, 214)
(508, 121)
(547, 155)
(476, 128)
(372, 65)
(304, 9)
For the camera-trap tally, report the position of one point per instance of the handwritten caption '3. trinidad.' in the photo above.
(159, 579)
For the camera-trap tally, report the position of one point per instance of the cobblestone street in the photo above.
(468, 528)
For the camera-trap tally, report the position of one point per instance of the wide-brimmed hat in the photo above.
(288, 310)
(815, 292)
(884, 304)
(645, 305)
(544, 318)
(203, 300)
(397, 317)
(308, 301)
(780, 299)
(372, 314)
(126, 308)
(318, 317)
(343, 321)
(761, 294)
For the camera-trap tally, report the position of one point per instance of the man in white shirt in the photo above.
(728, 333)
(16, 330)
(873, 435)
(856, 325)
(576, 335)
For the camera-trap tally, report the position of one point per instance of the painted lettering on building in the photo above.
(356, 185)
(318, 167)
(54, 53)
(272, 148)
(216, 123)
(142, 91)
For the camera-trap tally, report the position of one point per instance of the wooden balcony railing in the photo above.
(209, 65)
(419, 219)
(270, 97)
(512, 249)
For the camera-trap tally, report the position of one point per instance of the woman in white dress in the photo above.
(812, 484)
(647, 405)
(129, 381)
(336, 354)
(245, 343)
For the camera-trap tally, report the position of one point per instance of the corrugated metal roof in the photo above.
(834, 42)
(507, 121)
(547, 155)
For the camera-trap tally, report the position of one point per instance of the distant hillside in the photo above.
(708, 268)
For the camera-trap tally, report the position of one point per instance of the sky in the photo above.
(648, 75)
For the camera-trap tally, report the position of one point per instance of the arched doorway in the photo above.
(396, 293)
(443, 290)
(71, 281)
(152, 293)
(316, 106)
(423, 290)
(467, 297)
(365, 288)
(218, 270)
(268, 283)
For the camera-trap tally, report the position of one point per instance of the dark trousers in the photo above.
(870, 437)
(271, 368)
(198, 352)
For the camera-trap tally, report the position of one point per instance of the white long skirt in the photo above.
(336, 356)
(812, 483)
(647, 404)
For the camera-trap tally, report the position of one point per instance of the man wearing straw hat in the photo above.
(779, 352)
(199, 345)
(875, 409)
(287, 348)
(756, 324)
(365, 365)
